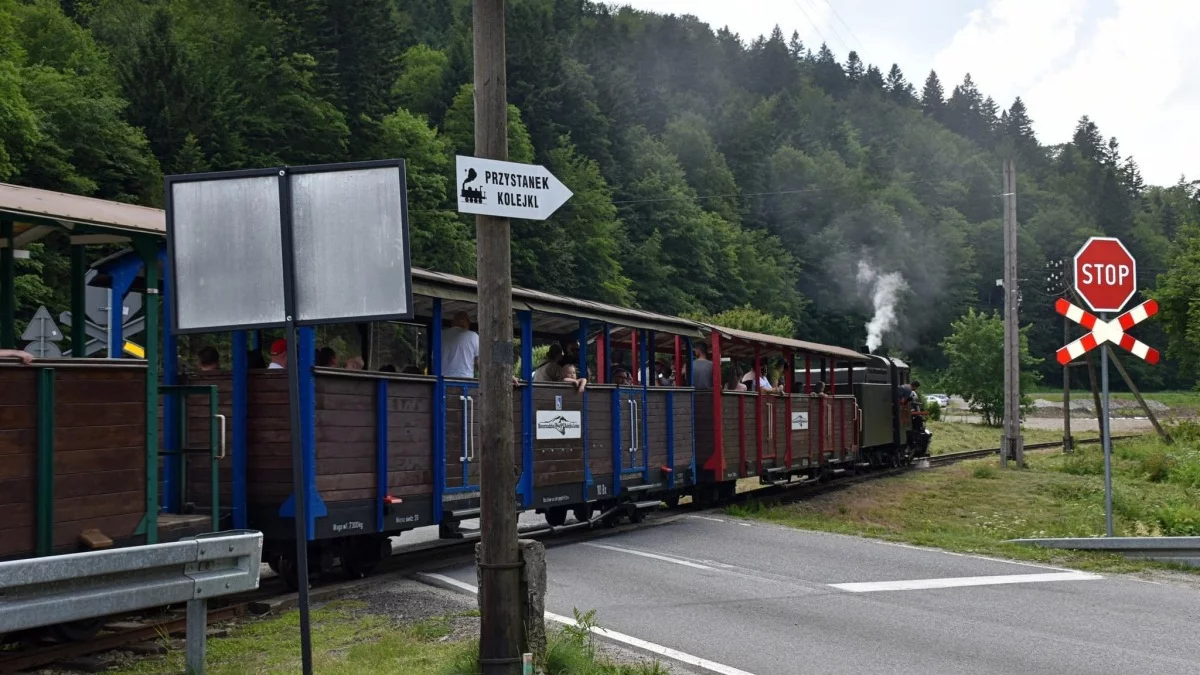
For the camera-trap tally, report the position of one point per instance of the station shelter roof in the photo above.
(35, 213)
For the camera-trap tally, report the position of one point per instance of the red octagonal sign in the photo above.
(1105, 274)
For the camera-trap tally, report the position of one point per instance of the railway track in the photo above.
(123, 632)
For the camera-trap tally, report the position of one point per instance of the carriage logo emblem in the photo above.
(472, 195)
(559, 425)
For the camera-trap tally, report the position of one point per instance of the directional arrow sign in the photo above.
(488, 187)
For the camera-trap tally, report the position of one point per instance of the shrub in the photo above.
(1083, 464)
(984, 471)
(1157, 466)
(935, 410)
(1179, 521)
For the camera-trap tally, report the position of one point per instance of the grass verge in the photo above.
(974, 507)
(348, 641)
(959, 436)
(1173, 399)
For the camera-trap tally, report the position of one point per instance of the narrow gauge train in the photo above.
(80, 457)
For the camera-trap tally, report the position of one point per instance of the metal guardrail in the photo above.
(1180, 550)
(61, 589)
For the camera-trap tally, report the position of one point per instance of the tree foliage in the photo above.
(975, 354)
(711, 172)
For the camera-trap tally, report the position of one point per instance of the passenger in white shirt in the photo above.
(460, 348)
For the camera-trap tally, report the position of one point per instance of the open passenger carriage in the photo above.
(88, 447)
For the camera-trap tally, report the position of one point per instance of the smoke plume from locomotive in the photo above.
(884, 291)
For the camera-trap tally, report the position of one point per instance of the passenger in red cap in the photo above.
(278, 354)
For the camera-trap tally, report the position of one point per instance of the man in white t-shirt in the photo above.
(460, 348)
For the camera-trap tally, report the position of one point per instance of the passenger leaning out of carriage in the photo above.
(567, 373)
(23, 356)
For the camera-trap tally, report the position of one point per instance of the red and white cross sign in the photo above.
(1107, 331)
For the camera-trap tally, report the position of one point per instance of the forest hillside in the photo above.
(712, 172)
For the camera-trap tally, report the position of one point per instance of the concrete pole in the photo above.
(1012, 445)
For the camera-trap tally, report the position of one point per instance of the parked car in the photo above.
(941, 399)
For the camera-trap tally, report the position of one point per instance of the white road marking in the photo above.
(715, 520)
(613, 635)
(923, 584)
(644, 554)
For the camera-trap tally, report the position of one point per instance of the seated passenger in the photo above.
(355, 363)
(550, 371)
(209, 359)
(732, 376)
(278, 355)
(622, 378)
(327, 358)
(255, 360)
(570, 376)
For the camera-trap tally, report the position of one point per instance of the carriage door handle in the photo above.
(221, 420)
(632, 427)
(466, 432)
(474, 428)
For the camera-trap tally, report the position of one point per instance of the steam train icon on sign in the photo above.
(472, 195)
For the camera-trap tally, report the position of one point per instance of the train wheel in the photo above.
(77, 631)
(726, 491)
(672, 500)
(582, 512)
(556, 516)
(636, 515)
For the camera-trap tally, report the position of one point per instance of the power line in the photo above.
(829, 24)
(843, 22)
(810, 21)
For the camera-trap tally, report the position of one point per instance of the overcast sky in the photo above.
(1132, 65)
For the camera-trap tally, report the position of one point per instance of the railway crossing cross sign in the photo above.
(1107, 331)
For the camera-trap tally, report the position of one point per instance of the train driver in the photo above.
(908, 394)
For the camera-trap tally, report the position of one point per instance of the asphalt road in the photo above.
(767, 600)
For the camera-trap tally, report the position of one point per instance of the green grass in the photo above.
(959, 436)
(975, 507)
(348, 641)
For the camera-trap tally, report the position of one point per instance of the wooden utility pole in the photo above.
(1012, 446)
(500, 567)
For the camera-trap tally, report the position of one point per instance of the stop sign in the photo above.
(1105, 274)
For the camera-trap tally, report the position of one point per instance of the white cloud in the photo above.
(1008, 44)
(1130, 73)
